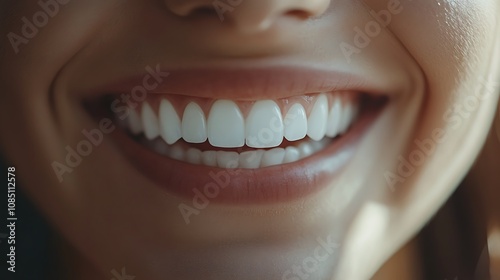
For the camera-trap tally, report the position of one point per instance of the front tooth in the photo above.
(149, 122)
(209, 158)
(227, 159)
(292, 154)
(264, 125)
(295, 123)
(226, 126)
(134, 122)
(316, 124)
(194, 125)
(273, 157)
(170, 124)
(251, 159)
(334, 118)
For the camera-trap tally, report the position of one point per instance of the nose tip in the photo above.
(251, 15)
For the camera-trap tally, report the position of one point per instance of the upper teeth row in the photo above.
(225, 127)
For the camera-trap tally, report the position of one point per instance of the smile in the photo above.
(252, 135)
(247, 150)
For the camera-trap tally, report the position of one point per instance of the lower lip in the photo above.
(274, 184)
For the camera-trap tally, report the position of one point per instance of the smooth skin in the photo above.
(439, 59)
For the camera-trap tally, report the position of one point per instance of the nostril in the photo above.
(297, 13)
(203, 11)
(191, 8)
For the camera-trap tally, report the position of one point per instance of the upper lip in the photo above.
(249, 83)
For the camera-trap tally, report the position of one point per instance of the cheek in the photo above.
(449, 39)
(452, 41)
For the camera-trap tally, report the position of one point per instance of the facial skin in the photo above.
(436, 58)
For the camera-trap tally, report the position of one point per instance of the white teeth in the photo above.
(134, 122)
(149, 122)
(258, 158)
(334, 118)
(193, 156)
(305, 149)
(347, 117)
(308, 148)
(176, 152)
(194, 125)
(273, 157)
(291, 154)
(251, 159)
(227, 159)
(316, 146)
(264, 125)
(209, 158)
(226, 126)
(295, 123)
(170, 124)
(316, 124)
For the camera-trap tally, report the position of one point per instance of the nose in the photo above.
(250, 15)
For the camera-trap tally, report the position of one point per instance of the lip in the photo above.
(275, 184)
(251, 83)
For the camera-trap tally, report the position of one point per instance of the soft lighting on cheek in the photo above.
(494, 243)
(494, 250)
(370, 227)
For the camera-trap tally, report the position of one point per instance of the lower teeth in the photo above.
(252, 159)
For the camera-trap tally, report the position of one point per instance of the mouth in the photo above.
(235, 149)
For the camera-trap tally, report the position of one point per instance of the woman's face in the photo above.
(241, 76)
